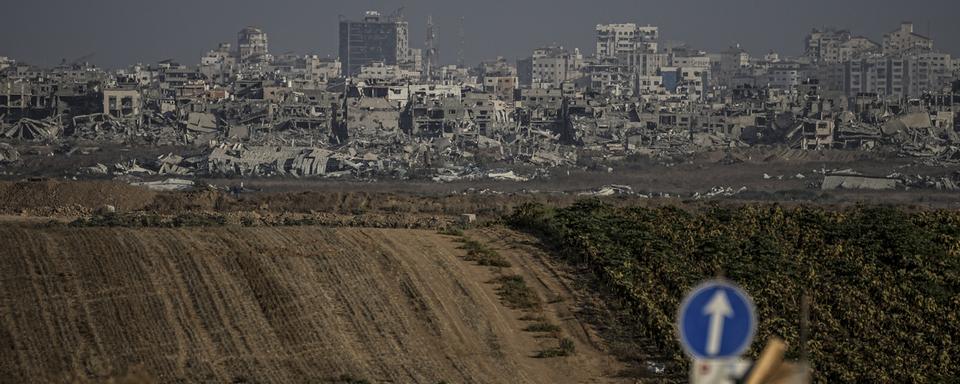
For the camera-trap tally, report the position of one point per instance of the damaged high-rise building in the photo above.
(374, 39)
(623, 40)
(252, 46)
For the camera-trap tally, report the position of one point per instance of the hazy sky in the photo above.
(121, 32)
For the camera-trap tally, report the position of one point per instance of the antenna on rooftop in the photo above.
(397, 15)
(432, 55)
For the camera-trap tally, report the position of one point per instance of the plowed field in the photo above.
(277, 304)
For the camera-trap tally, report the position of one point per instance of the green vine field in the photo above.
(883, 283)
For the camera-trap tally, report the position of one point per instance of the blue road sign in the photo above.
(716, 321)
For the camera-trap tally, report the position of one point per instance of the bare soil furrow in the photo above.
(265, 305)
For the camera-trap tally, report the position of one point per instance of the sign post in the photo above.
(716, 321)
(716, 324)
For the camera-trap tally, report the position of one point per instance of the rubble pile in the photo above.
(253, 114)
(27, 129)
(718, 192)
(8, 153)
(945, 183)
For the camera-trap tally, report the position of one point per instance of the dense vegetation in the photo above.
(884, 283)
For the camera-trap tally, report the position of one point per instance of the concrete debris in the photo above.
(98, 169)
(450, 174)
(718, 192)
(240, 160)
(171, 164)
(166, 185)
(609, 190)
(508, 175)
(133, 168)
(849, 181)
(201, 122)
(845, 171)
(33, 130)
(8, 153)
(945, 183)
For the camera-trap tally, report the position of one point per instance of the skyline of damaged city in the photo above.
(730, 191)
(386, 107)
(148, 33)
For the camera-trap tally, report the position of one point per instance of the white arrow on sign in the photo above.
(718, 308)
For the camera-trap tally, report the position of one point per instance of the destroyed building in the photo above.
(374, 112)
(253, 46)
(375, 38)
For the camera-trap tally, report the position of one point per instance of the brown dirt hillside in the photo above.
(277, 304)
(55, 197)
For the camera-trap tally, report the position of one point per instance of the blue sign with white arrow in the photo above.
(716, 321)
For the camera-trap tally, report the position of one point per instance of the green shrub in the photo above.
(198, 220)
(451, 231)
(483, 255)
(532, 317)
(566, 348)
(515, 293)
(147, 220)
